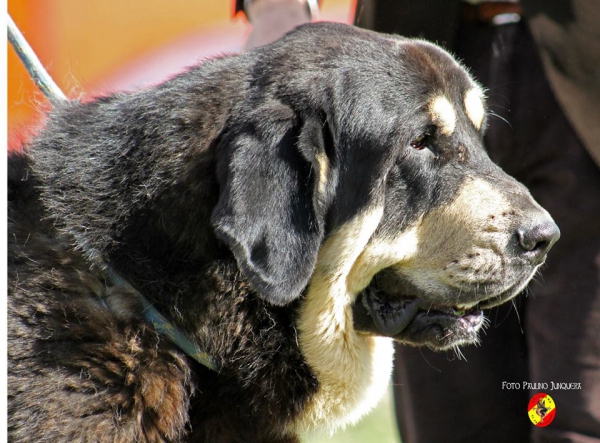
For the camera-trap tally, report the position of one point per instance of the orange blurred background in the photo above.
(92, 47)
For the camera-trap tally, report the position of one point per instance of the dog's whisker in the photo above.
(493, 114)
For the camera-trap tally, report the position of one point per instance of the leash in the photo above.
(33, 65)
(54, 94)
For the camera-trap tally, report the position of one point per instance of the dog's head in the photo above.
(356, 168)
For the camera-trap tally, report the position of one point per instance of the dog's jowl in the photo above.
(290, 211)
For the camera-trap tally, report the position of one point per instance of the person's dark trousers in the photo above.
(551, 334)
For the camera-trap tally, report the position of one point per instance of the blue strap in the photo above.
(166, 328)
(162, 325)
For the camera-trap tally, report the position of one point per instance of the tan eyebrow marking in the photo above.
(443, 114)
(473, 101)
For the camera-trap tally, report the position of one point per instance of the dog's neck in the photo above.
(138, 197)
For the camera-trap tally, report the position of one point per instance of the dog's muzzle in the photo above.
(394, 307)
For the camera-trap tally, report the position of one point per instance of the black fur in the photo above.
(203, 193)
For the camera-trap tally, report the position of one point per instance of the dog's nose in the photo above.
(537, 240)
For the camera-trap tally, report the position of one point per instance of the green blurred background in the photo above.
(377, 427)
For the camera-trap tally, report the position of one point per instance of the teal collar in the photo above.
(166, 328)
(160, 323)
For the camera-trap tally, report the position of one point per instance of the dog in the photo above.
(291, 211)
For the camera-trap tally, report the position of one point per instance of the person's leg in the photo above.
(563, 310)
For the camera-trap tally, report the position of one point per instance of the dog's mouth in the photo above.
(391, 317)
(418, 321)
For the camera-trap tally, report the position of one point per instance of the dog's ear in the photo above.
(273, 171)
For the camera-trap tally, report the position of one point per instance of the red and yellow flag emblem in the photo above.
(541, 409)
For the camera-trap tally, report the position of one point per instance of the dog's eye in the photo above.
(421, 142)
